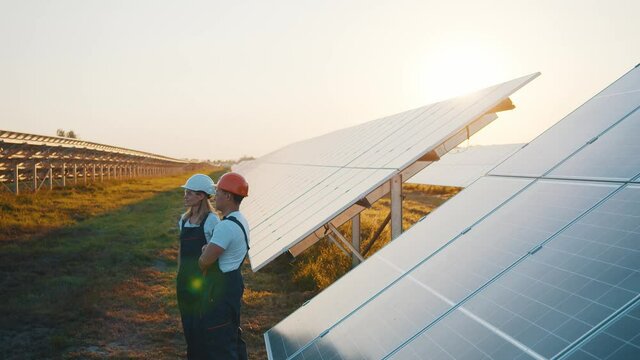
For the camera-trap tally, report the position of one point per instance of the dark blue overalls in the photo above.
(190, 283)
(221, 311)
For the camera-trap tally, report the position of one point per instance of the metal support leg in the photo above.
(17, 179)
(64, 174)
(50, 177)
(355, 238)
(35, 177)
(396, 206)
(333, 239)
(344, 241)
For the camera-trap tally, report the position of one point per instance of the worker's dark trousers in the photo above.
(221, 315)
(190, 288)
(189, 314)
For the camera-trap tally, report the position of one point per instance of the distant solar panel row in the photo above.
(464, 165)
(540, 259)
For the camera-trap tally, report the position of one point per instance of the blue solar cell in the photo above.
(620, 339)
(460, 338)
(555, 296)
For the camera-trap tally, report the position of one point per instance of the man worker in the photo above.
(220, 262)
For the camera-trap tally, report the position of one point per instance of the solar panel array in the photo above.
(300, 188)
(539, 259)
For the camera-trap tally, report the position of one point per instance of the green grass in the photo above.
(89, 272)
(70, 259)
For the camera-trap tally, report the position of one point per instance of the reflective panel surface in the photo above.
(576, 129)
(425, 293)
(613, 156)
(620, 340)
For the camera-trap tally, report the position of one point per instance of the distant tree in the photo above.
(246, 158)
(69, 134)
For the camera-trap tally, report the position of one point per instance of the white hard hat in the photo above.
(201, 182)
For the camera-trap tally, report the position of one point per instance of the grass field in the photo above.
(89, 272)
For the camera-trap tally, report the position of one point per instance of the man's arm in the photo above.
(210, 254)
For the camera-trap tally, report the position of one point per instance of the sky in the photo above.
(225, 79)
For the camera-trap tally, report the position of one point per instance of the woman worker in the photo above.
(196, 229)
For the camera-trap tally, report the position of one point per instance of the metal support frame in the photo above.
(17, 178)
(355, 238)
(396, 206)
(35, 176)
(37, 186)
(344, 241)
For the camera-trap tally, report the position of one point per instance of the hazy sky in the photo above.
(221, 79)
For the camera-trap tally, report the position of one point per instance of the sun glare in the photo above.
(457, 69)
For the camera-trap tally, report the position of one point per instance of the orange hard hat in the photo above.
(233, 183)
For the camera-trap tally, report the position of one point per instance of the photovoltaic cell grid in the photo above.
(620, 340)
(303, 186)
(549, 300)
(543, 272)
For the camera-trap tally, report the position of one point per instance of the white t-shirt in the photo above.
(230, 237)
(209, 225)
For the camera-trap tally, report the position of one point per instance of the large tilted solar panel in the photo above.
(514, 267)
(307, 184)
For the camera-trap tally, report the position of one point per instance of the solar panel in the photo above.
(620, 340)
(301, 217)
(515, 266)
(305, 185)
(577, 129)
(423, 294)
(578, 279)
(612, 156)
(464, 165)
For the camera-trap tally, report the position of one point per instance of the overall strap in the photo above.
(246, 239)
(184, 220)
